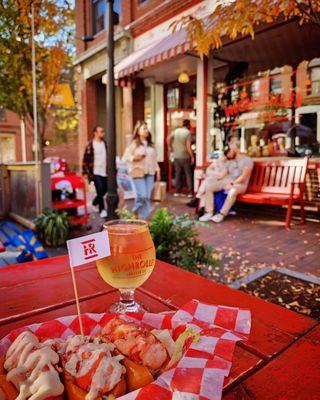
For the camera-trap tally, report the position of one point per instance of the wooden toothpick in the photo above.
(77, 303)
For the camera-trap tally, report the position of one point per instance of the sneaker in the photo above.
(176, 194)
(190, 195)
(193, 202)
(217, 218)
(232, 212)
(103, 214)
(206, 217)
(200, 213)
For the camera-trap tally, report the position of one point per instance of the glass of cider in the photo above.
(131, 261)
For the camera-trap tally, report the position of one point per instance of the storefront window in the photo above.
(276, 84)
(315, 81)
(256, 91)
(173, 99)
(189, 94)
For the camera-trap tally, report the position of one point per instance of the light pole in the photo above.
(35, 111)
(112, 196)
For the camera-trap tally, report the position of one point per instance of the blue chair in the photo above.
(219, 199)
(26, 241)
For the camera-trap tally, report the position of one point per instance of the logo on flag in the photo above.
(88, 248)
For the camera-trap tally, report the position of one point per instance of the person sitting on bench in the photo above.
(234, 183)
(216, 171)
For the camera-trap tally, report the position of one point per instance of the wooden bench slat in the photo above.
(276, 178)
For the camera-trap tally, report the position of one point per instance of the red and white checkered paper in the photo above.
(199, 374)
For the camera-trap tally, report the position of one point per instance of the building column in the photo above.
(23, 140)
(127, 114)
(202, 113)
(157, 119)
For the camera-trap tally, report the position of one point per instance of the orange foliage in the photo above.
(233, 18)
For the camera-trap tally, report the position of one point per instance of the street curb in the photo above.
(264, 271)
(251, 277)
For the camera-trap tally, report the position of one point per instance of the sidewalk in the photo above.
(245, 243)
(250, 243)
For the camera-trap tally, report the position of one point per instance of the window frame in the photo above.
(92, 3)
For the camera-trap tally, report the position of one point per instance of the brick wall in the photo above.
(163, 12)
(84, 26)
(131, 10)
(126, 12)
(11, 124)
(88, 117)
(63, 150)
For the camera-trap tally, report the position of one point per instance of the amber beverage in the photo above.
(131, 262)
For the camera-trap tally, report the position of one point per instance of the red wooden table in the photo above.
(281, 360)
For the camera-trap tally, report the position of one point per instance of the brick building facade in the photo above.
(14, 144)
(17, 141)
(149, 58)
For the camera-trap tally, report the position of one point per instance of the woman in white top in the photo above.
(142, 158)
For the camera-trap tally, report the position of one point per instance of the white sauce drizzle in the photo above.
(81, 359)
(30, 367)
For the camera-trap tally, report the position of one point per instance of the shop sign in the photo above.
(264, 103)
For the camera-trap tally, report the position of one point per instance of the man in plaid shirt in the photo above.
(94, 167)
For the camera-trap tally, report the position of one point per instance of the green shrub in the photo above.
(176, 240)
(53, 227)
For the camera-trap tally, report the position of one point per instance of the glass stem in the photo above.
(127, 297)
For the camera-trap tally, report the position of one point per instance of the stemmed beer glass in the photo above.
(131, 262)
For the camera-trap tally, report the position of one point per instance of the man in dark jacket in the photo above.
(94, 167)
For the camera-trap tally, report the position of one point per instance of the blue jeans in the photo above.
(101, 185)
(143, 190)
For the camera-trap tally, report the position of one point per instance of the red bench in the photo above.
(278, 183)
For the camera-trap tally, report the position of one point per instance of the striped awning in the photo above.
(164, 49)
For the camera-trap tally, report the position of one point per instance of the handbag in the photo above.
(137, 172)
(159, 191)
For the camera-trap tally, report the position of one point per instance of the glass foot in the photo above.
(126, 303)
(123, 307)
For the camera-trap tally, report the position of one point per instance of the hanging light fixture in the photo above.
(183, 77)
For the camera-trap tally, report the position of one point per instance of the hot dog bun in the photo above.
(74, 392)
(137, 375)
(7, 389)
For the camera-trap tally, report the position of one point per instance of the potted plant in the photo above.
(53, 227)
(176, 241)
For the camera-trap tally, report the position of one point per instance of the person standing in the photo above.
(94, 167)
(143, 167)
(179, 143)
